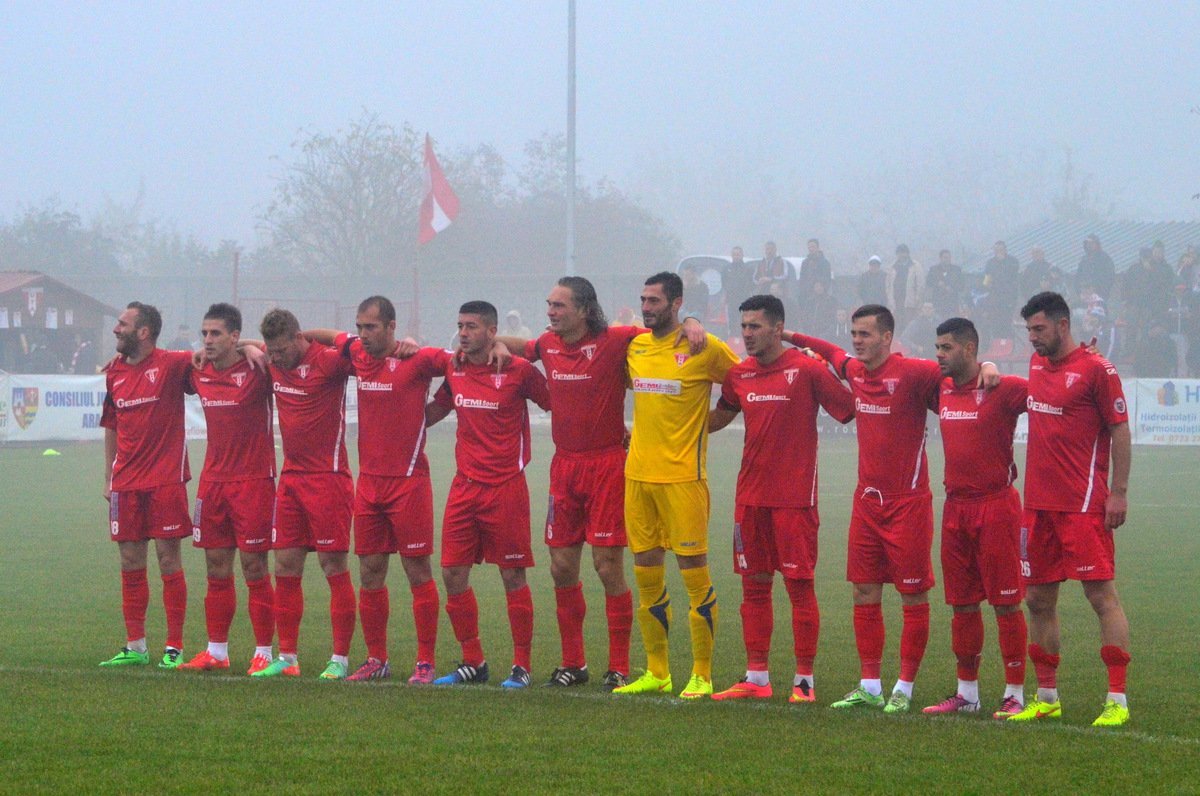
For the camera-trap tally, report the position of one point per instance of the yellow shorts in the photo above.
(669, 516)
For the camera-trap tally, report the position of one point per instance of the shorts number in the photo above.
(115, 527)
(196, 534)
(1025, 569)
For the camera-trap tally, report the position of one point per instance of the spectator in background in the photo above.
(84, 359)
(1096, 269)
(695, 295)
(515, 327)
(945, 286)
(920, 334)
(841, 324)
(821, 316)
(906, 285)
(1097, 325)
(1179, 312)
(872, 283)
(771, 270)
(739, 286)
(1158, 257)
(1037, 274)
(1002, 280)
(184, 340)
(40, 358)
(814, 268)
(1146, 289)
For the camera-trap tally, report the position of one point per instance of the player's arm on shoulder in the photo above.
(827, 350)
(693, 331)
(536, 388)
(501, 354)
(1116, 507)
(322, 336)
(989, 375)
(721, 415)
(512, 345)
(437, 409)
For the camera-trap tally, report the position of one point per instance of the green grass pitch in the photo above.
(67, 725)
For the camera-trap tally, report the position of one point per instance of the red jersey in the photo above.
(889, 409)
(587, 384)
(391, 407)
(311, 400)
(240, 420)
(977, 435)
(144, 405)
(493, 418)
(1072, 403)
(780, 400)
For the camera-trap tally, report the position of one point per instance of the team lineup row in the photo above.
(652, 497)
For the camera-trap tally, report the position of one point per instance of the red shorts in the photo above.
(234, 514)
(981, 549)
(770, 538)
(891, 541)
(1057, 545)
(487, 522)
(393, 514)
(587, 499)
(312, 510)
(140, 514)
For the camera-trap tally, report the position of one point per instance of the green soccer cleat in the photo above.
(280, 667)
(647, 684)
(171, 658)
(858, 698)
(1037, 710)
(1113, 715)
(899, 703)
(128, 657)
(698, 687)
(333, 671)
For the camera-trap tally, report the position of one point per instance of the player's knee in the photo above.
(254, 567)
(513, 578)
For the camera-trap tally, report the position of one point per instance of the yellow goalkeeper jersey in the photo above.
(672, 393)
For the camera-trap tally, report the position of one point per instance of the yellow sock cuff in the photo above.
(699, 585)
(651, 585)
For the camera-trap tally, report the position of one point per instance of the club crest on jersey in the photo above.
(24, 405)
(978, 397)
(152, 375)
(680, 359)
(588, 350)
(891, 385)
(303, 371)
(393, 363)
(790, 374)
(239, 379)
(1118, 405)
(498, 379)
(1071, 378)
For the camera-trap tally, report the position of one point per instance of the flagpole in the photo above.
(570, 137)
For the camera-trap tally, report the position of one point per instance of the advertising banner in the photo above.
(1167, 412)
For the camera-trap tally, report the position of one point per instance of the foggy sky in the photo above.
(194, 100)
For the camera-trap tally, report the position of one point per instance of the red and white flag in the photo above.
(439, 206)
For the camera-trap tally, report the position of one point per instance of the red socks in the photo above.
(619, 611)
(869, 638)
(425, 618)
(341, 611)
(1013, 636)
(135, 596)
(1045, 666)
(289, 610)
(520, 619)
(806, 622)
(966, 640)
(1116, 659)
(758, 618)
(220, 602)
(571, 609)
(175, 607)
(262, 611)
(914, 637)
(374, 607)
(463, 611)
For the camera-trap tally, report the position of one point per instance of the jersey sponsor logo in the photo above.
(239, 379)
(209, 403)
(126, 403)
(659, 386)
(1042, 407)
(24, 405)
(588, 350)
(864, 408)
(755, 397)
(152, 375)
(463, 402)
(1071, 378)
(891, 385)
(286, 390)
(374, 386)
(790, 374)
(303, 371)
(957, 414)
(680, 359)
(558, 375)
(498, 379)
(1119, 406)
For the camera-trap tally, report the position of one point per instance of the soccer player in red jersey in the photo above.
(891, 523)
(315, 495)
(1078, 421)
(487, 510)
(146, 475)
(393, 502)
(584, 359)
(237, 489)
(981, 521)
(775, 517)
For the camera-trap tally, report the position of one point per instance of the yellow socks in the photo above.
(702, 618)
